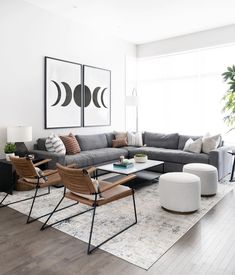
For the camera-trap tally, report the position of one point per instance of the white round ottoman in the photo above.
(208, 175)
(180, 192)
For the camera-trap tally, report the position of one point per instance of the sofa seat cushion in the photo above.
(95, 157)
(100, 156)
(171, 155)
(82, 159)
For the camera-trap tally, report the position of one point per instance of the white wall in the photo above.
(202, 39)
(27, 34)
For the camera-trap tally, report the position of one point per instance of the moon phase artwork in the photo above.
(76, 95)
(63, 94)
(97, 96)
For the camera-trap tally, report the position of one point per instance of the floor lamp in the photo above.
(19, 135)
(132, 100)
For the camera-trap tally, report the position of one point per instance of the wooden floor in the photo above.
(208, 248)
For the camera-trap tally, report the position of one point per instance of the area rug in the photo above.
(144, 243)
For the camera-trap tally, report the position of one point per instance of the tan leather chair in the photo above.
(80, 187)
(30, 175)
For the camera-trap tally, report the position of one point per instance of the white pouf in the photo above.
(180, 192)
(208, 175)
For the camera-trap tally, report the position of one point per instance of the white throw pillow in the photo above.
(135, 139)
(193, 146)
(54, 144)
(40, 174)
(210, 143)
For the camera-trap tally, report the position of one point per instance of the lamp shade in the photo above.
(19, 134)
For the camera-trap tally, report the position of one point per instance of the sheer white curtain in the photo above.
(182, 92)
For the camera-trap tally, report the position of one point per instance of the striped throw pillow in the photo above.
(71, 144)
(54, 144)
(135, 139)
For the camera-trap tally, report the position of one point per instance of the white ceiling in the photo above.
(142, 21)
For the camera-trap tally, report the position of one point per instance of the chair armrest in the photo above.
(49, 172)
(41, 162)
(116, 183)
(91, 169)
(55, 157)
(72, 165)
(222, 160)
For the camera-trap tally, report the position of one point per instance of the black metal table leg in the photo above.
(232, 172)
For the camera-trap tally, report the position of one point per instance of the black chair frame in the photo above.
(89, 249)
(33, 198)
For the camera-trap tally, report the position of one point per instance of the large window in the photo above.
(182, 92)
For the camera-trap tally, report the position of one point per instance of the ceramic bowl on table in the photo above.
(140, 158)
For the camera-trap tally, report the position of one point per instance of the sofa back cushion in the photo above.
(110, 136)
(168, 141)
(41, 144)
(184, 138)
(91, 142)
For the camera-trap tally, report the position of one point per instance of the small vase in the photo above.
(9, 155)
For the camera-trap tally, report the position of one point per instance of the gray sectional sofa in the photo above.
(97, 149)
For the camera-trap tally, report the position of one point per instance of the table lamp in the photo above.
(19, 135)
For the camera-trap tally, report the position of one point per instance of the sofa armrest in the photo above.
(55, 157)
(222, 160)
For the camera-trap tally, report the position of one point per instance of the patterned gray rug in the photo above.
(144, 243)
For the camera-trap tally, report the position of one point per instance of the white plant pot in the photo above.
(9, 155)
(140, 159)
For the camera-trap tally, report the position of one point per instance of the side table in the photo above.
(232, 152)
(7, 177)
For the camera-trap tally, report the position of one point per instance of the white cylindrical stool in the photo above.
(180, 192)
(208, 175)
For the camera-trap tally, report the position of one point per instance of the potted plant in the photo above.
(9, 150)
(141, 157)
(229, 97)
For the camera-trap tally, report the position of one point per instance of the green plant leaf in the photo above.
(9, 148)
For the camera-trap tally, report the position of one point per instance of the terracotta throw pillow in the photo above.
(120, 142)
(71, 144)
(120, 135)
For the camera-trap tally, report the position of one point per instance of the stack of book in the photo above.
(123, 164)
